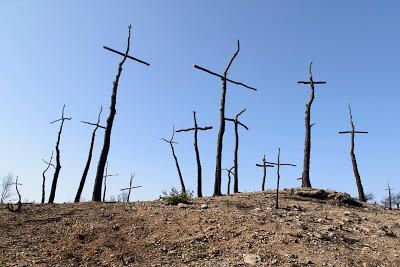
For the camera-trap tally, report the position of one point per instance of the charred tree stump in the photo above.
(171, 142)
(196, 149)
(230, 172)
(361, 195)
(58, 163)
(110, 120)
(235, 161)
(307, 142)
(218, 168)
(130, 187)
(44, 176)
(264, 165)
(87, 166)
(278, 164)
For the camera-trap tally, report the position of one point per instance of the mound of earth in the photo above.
(311, 228)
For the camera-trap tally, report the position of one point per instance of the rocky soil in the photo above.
(311, 228)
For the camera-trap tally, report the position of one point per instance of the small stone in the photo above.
(204, 206)
(251, 259)
(182, 205)
(257, 209)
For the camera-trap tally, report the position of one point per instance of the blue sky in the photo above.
(51, 54)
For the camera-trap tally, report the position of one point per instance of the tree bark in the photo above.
(107, 136)
(307, 143)
(361, 195)
(196, 148)
(178, 168)
(235, 163)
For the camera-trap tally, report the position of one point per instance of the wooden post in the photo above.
(361, 195)
(89, 159)
(58, 163)
(235, 161)
(264, 165)
(171, 142)
(278, 164)
(307, 143)
(110, 120)
(19, 203)
(196, 149)
(389, 189)
(44, 176)
(218, 168)
(106, 175)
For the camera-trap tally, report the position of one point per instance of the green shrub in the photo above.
(175, 197)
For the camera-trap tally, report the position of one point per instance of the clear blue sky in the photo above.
(51, 54)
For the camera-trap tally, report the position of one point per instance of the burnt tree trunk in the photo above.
(277, 182)
(264, 174)
(89, 160)
(107, 136)
(235, 161)
(307, 142)
(183, 188)
(130, 188)
(196, 149)
(361, 195)
(44, 178)
(58, 162)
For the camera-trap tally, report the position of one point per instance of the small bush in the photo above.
(175, 197)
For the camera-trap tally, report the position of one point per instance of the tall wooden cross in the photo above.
(389, 189)
(264, 165)
(279, 164)
(106, 175)
(235, 161)
(58, 162)
(171, 143)
(361, 195)
(307, 142)
(196, 128)
(89, 159)
(223, 77)
(110, 120)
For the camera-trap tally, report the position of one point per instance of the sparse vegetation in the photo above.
(174, 197)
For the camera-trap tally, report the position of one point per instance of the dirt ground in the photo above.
(237, 230)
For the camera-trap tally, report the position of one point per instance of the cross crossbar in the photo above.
(346, 132)
(128, 56)
(266, 165)
(222, 77)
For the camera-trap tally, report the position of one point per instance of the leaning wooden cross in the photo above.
(235, 160)
(278, 164)
(264, 165)
(130, 187)
(196, 128)
(389, 189)
(229, 172)
(106, 175)
(361, 195)
(307, 143)
(110, 120)
(223, 77)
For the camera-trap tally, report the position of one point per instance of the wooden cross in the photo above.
(19, 203)
(58, 163)
(389, 189)
(229, 172)
(278, 164)
(223, 77)
(89, 159)
(361, 195)
(264, 165)
(235, 161)
(110, 120)
(196, 128)
(307, 143)
(171, 142)
(106, 175)
(130, 187)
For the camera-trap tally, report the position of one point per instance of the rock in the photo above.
(204, 206)
(257, 209)
(182, 205)
(251, 259)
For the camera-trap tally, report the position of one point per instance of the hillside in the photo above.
(215, 231)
